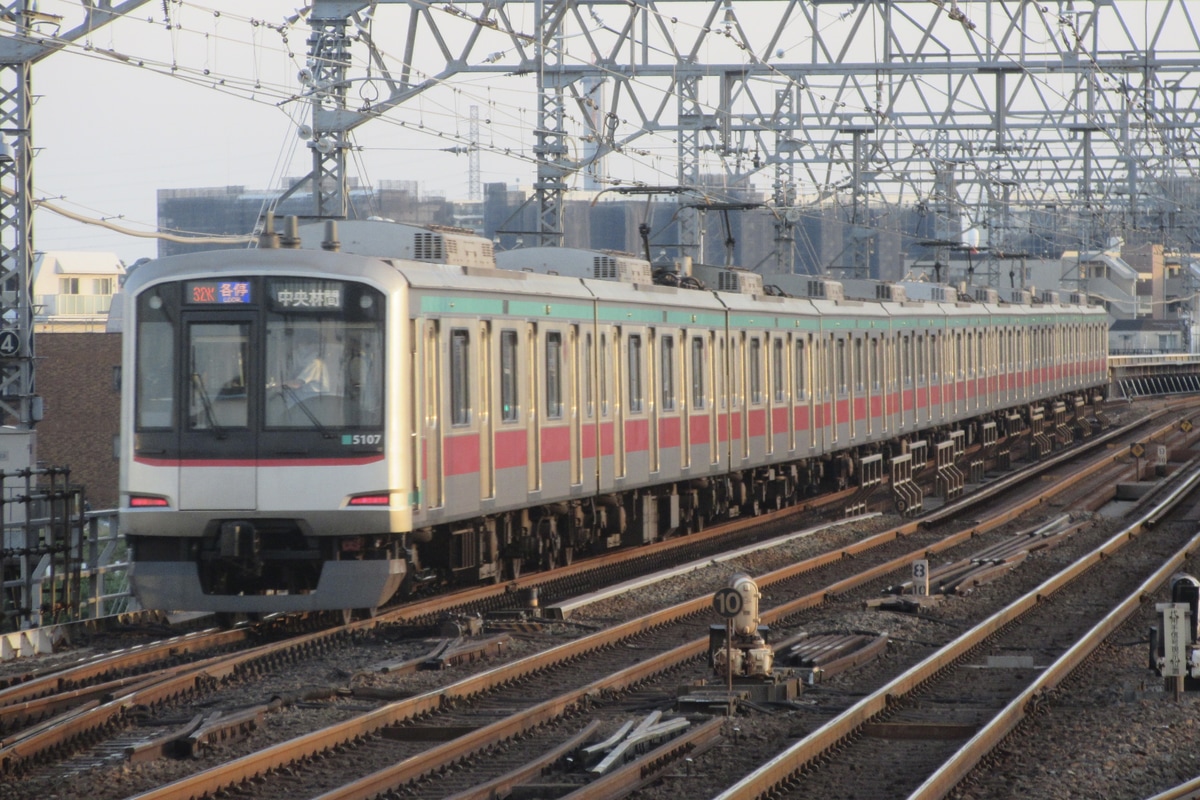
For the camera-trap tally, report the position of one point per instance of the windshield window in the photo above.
(324, 348)
(217, 390)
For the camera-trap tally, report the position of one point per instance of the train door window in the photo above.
(859, 366)
(840, 367)
(906, 360)
(635, 374)
(219, 357)
(754, 362)
(585, 369)
(960, 365)
(554, 382)
(778, 371)
(874, 367)
(935, 360)
(968, 367)
(697, 373)
(460, 377)
(667, 346)
(922, 369)
(510, 404)
(155, 377)
(801, 370)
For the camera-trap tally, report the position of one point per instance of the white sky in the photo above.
(110, 134)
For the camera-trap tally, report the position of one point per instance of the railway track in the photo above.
(940, 718)
(886, 560)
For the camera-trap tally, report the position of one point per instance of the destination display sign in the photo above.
(216, 292)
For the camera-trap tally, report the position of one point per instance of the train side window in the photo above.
(460, 379)
(754, 362)
(697, 373)
(635, 373)
(667, 346)
(554, 403)
(510, 403)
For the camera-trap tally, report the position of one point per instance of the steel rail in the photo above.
(502, 785)
(648, 768)
(37, 686)
(782, 767)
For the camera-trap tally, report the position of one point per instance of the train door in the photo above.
(874, 388)
(432, 360)
(219, 410)
(555, 433)
(802, 421)
(586, 364)
(757, 430)
(920, 364)
(819, 392)
(721, 394)
(969, 371)
(788, 414)
(704, 394)
(958, 374)
(620, 457)
(937, 368)
(487, 466)
(739, 398)
(688, 367)
(533, 439)
(777, 401)
(653, 410)
(509, 452)
(606, 400)
(573, 368)
(841, 387)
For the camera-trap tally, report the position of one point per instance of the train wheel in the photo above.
(901, 505)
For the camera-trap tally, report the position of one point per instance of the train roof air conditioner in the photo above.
(572, 262)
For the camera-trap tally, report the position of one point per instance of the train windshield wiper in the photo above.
(209, 413)
(306, 411)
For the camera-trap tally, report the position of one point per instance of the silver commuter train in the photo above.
(316, 427)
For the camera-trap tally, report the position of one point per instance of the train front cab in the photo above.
(241, 490)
